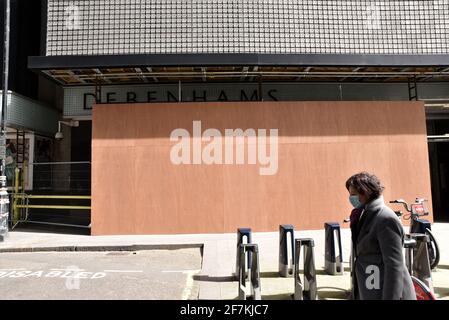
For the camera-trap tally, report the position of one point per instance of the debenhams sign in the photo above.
(78, 101)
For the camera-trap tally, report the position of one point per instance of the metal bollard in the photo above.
(4, 209)
(421, 262)
(286, 263)
(253, 251)
(352, 275)
(308, 289)
(333, 264)
(241, 233)
(410, 246)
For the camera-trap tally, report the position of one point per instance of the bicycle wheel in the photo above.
(422, 291)
(434, 250)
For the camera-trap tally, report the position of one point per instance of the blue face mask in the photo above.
(354, 200)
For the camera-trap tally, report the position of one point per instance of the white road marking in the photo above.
(189, 284)
(181, 271)
(123, 271)
(187, 292)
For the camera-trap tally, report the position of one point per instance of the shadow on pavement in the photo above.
(442, 266)
(283, 296)
(332, 293)
(263, 275)
(269, 275)
(322, 272)
(207, 278)
(35, 228)
(441, 292)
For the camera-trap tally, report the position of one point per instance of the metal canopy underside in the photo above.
(140, 69)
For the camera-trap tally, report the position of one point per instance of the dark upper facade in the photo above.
(25, 41)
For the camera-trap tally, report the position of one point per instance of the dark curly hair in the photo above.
(366, 184)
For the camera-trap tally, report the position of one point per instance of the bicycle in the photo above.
(417, 225)
(422, 291)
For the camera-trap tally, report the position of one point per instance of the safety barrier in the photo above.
(21, 203)
(333, 262)
(254, 270)
(306, 290)
(286, 262)
(417, 258)
(242, 233)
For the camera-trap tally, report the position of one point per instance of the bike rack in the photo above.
(286, 263)
(252, 251)
(333, 264)
(241, 234)
(409, 245)
(351, 273)
(417, 258)
(308, 289)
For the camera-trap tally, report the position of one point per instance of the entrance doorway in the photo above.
(439, 168)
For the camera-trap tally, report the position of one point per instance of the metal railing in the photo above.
(71, 178)
(66, 177)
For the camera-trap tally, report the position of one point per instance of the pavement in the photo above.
(209, 274)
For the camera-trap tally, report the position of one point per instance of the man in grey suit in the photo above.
(379, 271)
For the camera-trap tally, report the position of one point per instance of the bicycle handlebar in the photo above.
(401, 201)
(409, 208)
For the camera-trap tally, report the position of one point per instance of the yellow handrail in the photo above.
(19, 196)
(35, 206)
(33, 196)
(16, 190)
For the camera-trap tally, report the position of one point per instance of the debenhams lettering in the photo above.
(170, 96)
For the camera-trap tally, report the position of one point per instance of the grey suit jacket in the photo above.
(379, 268)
